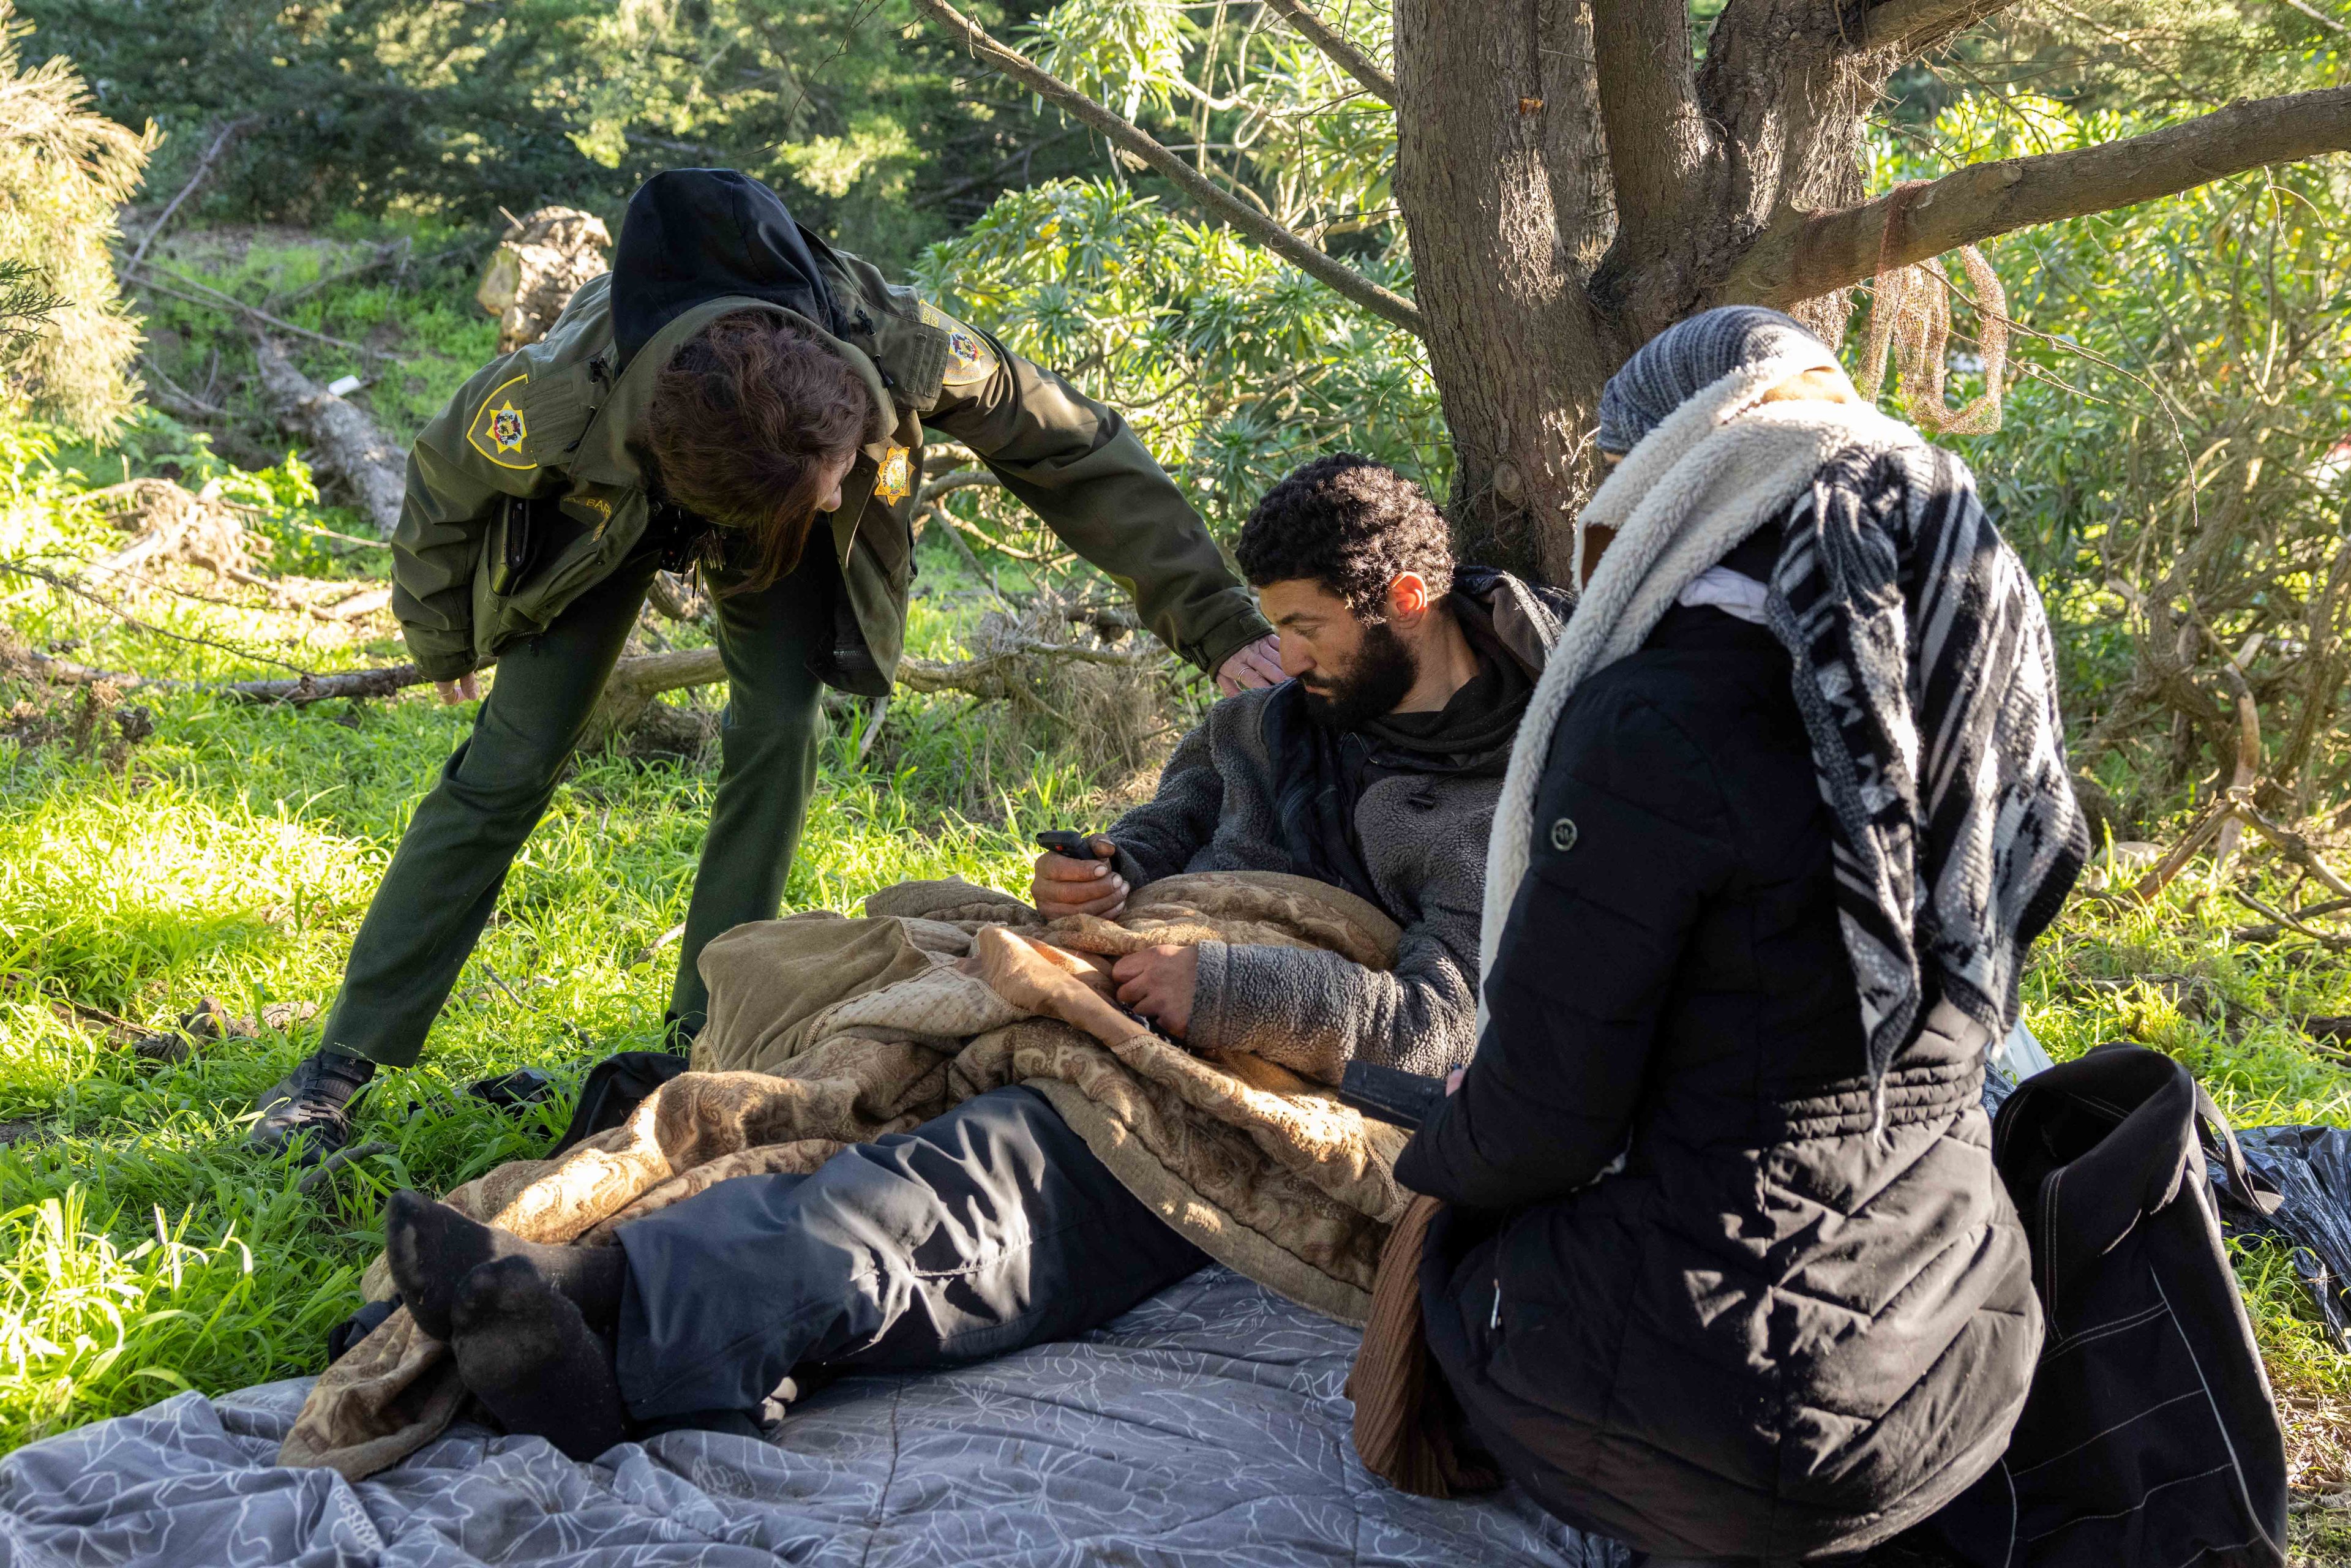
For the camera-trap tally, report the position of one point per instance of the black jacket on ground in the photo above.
(1771, 1333)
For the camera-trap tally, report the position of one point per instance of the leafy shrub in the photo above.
(64, 168)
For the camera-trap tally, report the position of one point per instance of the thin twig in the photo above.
(2294, 848)
(1317, 264)
(346, 538)
(385, 255)
(229, 133)
(2280, 918)
(1342, 51)
(67, 585)
(225, 301)
(2203, 831)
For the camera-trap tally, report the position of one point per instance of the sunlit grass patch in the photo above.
(94, 1322)
(233, 856)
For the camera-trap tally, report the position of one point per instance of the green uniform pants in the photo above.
(444, 879)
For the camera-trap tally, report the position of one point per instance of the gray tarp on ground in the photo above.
(1206, 1427)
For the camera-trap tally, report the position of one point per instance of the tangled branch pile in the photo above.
(88, 722)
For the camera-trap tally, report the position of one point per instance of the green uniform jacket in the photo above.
(551, 421)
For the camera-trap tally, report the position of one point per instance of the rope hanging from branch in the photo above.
(1910, 326)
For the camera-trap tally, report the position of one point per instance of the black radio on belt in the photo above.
(536, 531)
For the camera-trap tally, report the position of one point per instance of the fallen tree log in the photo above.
(298, 693)
(1004, 675)
(378, 682)
(627, 703)
(344, 442)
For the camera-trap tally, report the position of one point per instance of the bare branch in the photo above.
(229, 133)
(1659, 141)
(1914, 27)
(1810, 256)
(378, 682)
(1318, 265)
(1343, 54)
(2317, 15)
(145, 276)
(962, 480)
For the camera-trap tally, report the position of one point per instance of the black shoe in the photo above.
(312, 1104)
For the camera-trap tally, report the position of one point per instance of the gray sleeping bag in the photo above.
(1205, 1426)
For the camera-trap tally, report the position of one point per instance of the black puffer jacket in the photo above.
(1770, 1333)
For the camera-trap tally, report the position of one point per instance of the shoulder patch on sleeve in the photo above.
(501, 431)
(969, 358)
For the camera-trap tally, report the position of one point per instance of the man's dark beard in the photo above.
(1384, 670)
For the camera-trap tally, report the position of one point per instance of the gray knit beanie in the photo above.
(1687, 357)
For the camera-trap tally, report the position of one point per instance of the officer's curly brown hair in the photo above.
(741, 422)
(1353, 524)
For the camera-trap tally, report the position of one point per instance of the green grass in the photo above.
(142, 1248)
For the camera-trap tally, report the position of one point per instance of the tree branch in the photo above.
(1318, 265)
(1343, 54)
(1914, 27)
(1808, 256)
(144, 276)
(1657, 136)
(229, 133)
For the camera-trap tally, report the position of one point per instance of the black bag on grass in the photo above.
(613, 1090)
(2150, 1438)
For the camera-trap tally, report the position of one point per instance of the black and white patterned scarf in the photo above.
(1923, 668)
(1928, 686)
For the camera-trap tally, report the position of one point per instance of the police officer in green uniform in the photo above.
(738, 393)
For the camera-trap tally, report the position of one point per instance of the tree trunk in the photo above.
(1573, 185)
(539, 265)
(1505, 192)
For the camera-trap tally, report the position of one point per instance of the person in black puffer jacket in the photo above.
(1725, 1270)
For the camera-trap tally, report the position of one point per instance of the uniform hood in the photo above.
(694, 234)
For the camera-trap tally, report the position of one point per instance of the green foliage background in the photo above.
(452, 111)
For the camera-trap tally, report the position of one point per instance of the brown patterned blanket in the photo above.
(826, 1031)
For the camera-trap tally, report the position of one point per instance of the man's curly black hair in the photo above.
(1351, 524)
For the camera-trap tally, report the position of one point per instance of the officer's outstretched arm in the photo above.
(1078, 465)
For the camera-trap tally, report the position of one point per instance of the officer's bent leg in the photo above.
(767, 748)
(980, 1232)
(445, 877)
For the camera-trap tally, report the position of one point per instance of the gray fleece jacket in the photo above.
(1423, 842)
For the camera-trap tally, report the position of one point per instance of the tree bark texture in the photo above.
(1573, 181)
(1501, 176)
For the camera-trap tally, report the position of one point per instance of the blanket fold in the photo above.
(825, 1031)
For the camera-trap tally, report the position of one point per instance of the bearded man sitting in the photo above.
(1374, 769)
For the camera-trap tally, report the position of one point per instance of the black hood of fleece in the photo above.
(694, 234)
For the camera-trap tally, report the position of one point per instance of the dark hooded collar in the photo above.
(693, 234)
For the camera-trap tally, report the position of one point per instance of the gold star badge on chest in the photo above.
(895, 476)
